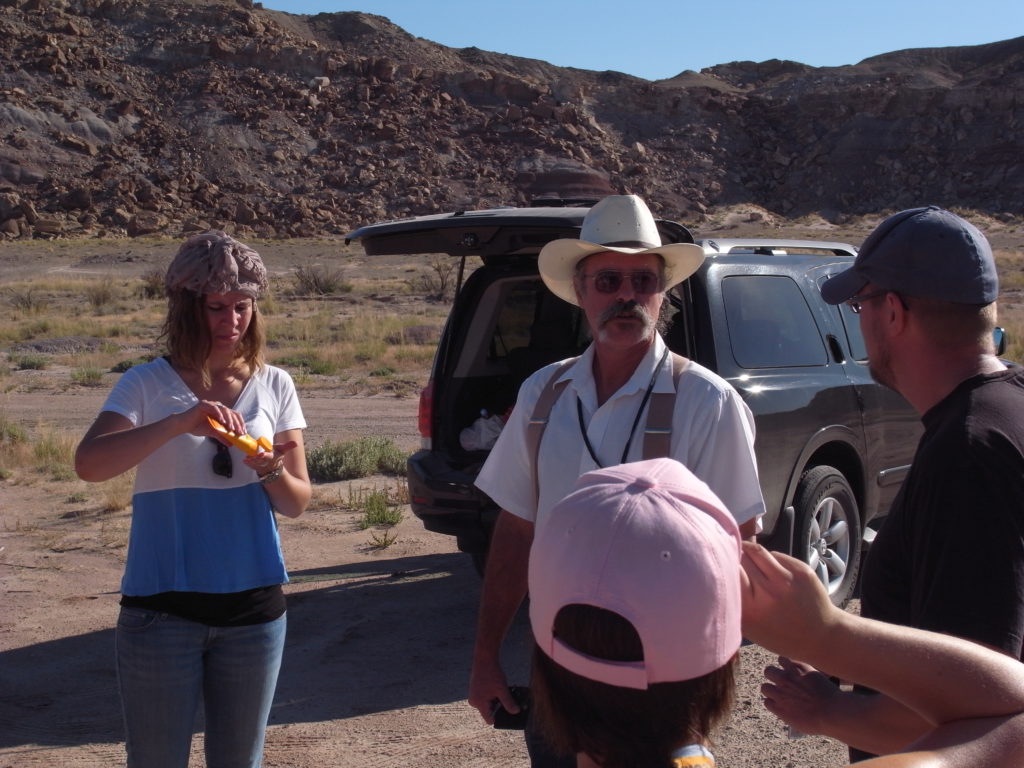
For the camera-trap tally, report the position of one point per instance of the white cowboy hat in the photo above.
(620, 223)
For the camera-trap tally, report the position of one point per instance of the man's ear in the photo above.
(896, 313)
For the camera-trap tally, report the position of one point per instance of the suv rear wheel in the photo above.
(827, 535)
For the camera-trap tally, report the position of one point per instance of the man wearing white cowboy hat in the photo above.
(597, 411)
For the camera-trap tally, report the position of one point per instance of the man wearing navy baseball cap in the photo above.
(950, 556)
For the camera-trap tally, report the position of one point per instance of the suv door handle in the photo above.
(835, 349)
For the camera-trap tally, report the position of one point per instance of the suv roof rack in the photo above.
(563, 202)
(774, 247)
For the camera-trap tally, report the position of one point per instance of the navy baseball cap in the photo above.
(925, 252)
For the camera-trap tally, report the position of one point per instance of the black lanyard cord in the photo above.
(636, 419)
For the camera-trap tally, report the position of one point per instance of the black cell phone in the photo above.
(509, 722)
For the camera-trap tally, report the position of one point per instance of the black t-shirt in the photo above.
(950, 556)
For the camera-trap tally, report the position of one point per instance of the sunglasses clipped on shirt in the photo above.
(221, 464)
(644, 281)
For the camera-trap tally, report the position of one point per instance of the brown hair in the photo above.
(187, 335)
(952, 326)
(621, 727)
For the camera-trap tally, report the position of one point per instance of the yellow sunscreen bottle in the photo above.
(248, 444)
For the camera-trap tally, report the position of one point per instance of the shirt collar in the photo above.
(580, 374)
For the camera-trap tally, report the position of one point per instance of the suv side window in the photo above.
(858, 351)
(770, 324)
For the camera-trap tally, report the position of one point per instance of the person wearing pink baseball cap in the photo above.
(641, 589)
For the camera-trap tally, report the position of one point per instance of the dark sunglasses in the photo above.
(221, 460)
(610, 280)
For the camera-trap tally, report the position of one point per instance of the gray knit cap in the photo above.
(214, 262)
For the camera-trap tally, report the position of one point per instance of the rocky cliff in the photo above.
(137, 117)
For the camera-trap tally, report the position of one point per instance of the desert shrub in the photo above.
(29, 362)
(307, 362)
(317, 280)
(382, 539)
(313, 329)
(369, 351)
(268, 304)
(331, 462)
(415, 334)
(99, 295)
(123, 365)
(152, 285)
(437, 283)
(378, 511)
(419, 357)
(26, 300)
(54, 452)
(87, 377)
(117, 492)
(11, 432)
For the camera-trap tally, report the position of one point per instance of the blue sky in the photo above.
(656, 39)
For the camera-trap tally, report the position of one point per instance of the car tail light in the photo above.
(426, 411)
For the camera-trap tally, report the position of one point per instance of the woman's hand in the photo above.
(195, 419)
(289, 490)
(265, 462)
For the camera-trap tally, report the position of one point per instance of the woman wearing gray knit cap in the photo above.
(202, 609)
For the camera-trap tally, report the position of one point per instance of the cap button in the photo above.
(645, 483)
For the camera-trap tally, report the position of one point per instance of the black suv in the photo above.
(832, 445)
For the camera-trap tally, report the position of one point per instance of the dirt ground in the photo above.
(376, 664)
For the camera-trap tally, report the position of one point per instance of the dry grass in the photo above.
(116, 493)
(1011, 300)
(347, 339)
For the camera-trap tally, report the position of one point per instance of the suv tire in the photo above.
(827, 534)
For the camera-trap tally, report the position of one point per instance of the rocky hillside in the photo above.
(136, 117)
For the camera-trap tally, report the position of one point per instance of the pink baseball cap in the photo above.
(652, 543)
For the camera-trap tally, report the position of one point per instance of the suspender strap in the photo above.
(658, 431)
(539, 418)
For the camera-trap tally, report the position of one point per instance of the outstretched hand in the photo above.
(799, 695)
(785, 606)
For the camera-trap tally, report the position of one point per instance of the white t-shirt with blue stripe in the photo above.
(193, 530)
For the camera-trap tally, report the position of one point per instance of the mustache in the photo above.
(622, 308)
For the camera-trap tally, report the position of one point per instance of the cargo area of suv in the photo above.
(832, 445)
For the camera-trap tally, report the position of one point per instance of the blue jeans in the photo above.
(166, 664)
